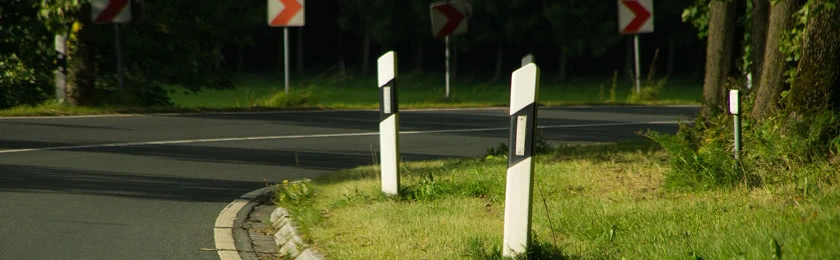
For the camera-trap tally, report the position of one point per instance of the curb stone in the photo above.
(285, 242)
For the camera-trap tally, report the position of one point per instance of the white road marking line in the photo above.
(279, 137)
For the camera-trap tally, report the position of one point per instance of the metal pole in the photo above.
(119, 55)
(447, 66)
(636, 47)
(286, 57)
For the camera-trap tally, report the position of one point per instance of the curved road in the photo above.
(151, 187)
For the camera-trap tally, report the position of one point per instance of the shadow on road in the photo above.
(15, 178)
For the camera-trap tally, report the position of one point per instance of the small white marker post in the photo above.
(735, 110)
(389, 124)
(520, 173)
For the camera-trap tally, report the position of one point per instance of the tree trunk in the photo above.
(760, 21)
(774, 65)
(81, 73)
(240, 57)
(342, 66)
(497, 75)
(454, 68)
(629, 69)
(418, 60)
(818, 74)
(669, 69)
(300, 50)
(718, 55)
(564, 59)
(366, 49)
(217, 48)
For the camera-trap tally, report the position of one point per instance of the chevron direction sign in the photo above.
(285, 13)
(635, 16)
(111, 11)
(449, 18)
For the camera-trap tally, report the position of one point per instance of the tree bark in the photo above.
(497, 75)
(564, 59)
(774, 65)
(760, 22)
(718, 55)
(669, 69)
(80, 71)
(342, 67)
(300, 50)
(817, 80)
(629, 69)
(366, 48)
(418, 60)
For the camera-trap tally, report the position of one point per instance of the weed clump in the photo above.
(785, 149)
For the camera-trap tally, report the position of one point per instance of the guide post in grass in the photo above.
(735, 110)
(389, 124)
(520, 173)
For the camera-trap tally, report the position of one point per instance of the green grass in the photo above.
(604, 202)
(418, 91)
(264, 92)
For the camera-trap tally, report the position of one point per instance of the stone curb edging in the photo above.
(233, 241)
(287, 239)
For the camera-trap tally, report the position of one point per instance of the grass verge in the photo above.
(603, 202)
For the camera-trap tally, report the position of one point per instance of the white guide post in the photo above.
(520, 173)
(389, 124)
(735, 110)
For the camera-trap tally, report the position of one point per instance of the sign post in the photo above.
(116, 12)
(389, 124)
(286, 13)
(448, 19)
(735, 110)
(520, 173)
(635, 17)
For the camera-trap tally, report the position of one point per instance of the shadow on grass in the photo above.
(480, 249)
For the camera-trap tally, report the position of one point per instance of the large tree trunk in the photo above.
(564, 59)
(81, 73)
(366, 48)
(497, 74)
(771, 79)
(760, 21)
(342, 66)
(818, 74)
(418, 60)
(300, 50)
(669, 67)
(629, 69)
(718, 55)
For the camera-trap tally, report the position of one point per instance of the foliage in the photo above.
(26, 59)
(780, 150)
(698, 15)
(292, 99)
(293, 193)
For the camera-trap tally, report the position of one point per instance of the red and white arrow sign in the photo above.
(635, 16)
(111, 11)
(449, 18)
(285, 13)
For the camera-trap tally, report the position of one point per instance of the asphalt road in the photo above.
(151, 187)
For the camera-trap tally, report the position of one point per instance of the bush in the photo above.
(780, 150)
